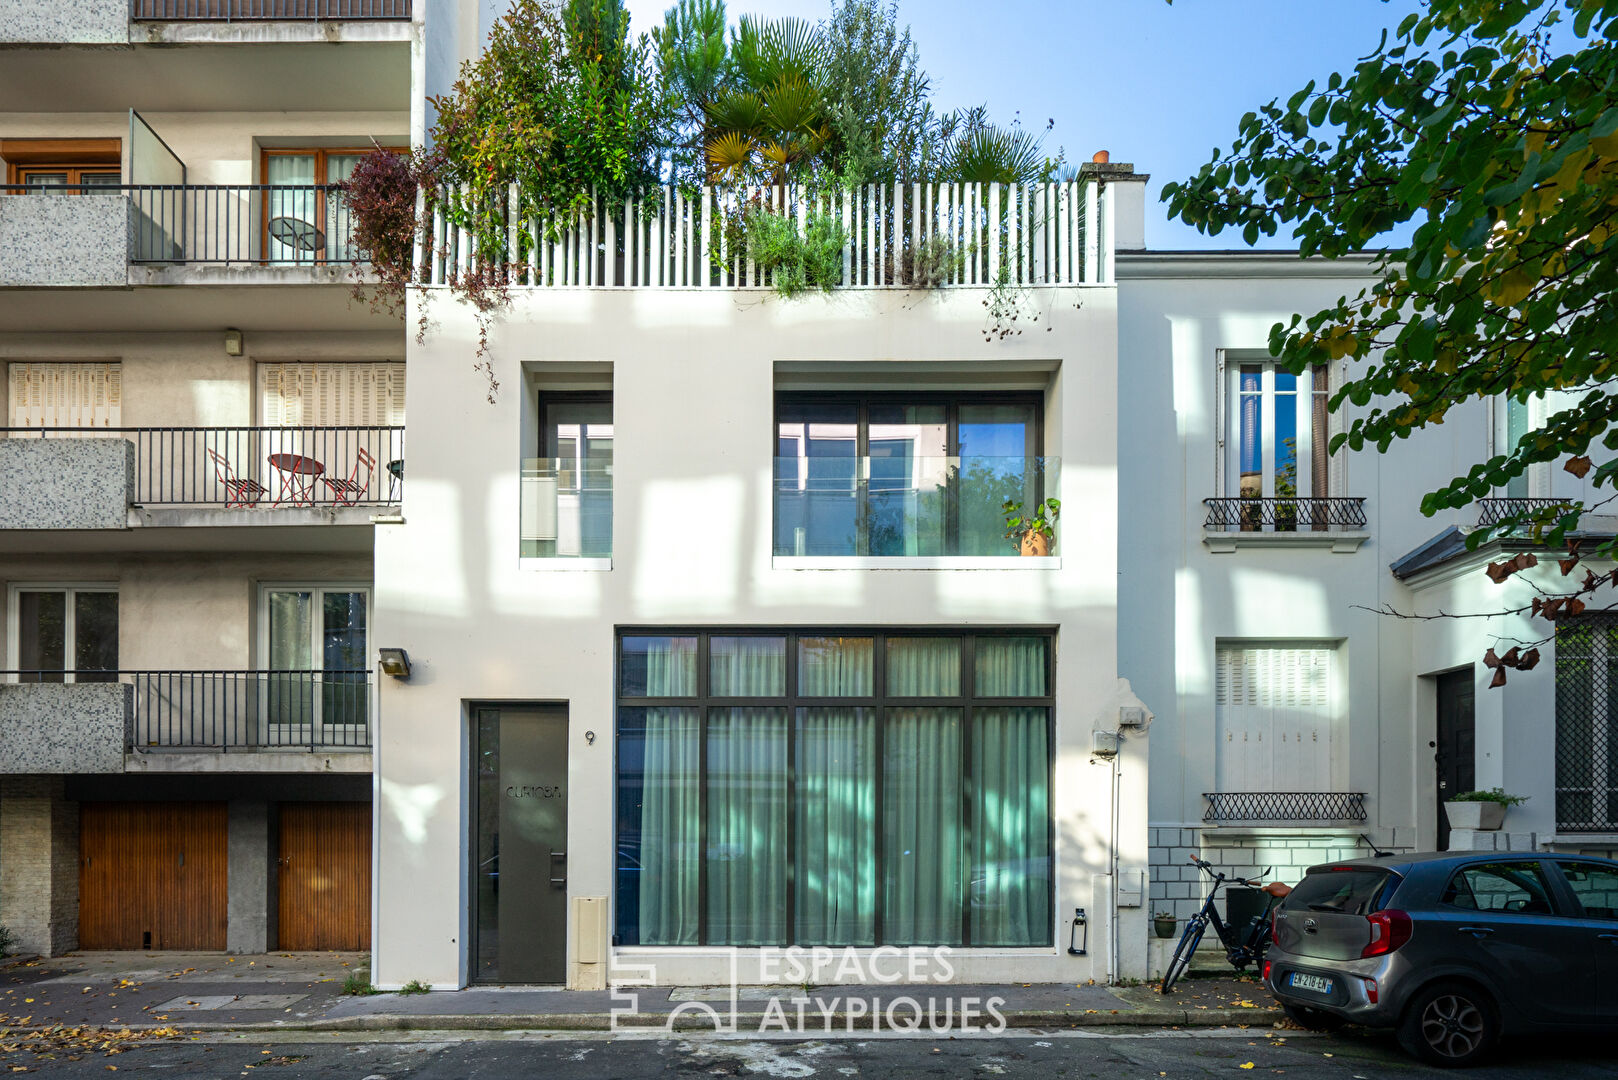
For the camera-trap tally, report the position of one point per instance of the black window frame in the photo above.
(951, 400)
(880, 702)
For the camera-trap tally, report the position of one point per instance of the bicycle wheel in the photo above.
(1183, 952)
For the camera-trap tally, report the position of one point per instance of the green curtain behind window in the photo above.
(1011, 667)
(1011, 887)
(747, 826)
(835, 666)
(921, 828)
(924, 667)
(835, 803)
(669, 835)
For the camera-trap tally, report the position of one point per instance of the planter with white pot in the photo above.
(1484, 816)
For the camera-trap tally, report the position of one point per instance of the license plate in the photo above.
(1320, 984)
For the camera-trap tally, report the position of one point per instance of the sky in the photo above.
(1157, 86)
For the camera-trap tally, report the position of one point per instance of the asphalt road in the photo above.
(1034, 1056)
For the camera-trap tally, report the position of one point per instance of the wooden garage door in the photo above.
(325, 876)
(152, 875)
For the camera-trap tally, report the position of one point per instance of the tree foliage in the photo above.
(1489, 128)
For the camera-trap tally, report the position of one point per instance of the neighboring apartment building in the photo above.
(199, 428)
(707, 633)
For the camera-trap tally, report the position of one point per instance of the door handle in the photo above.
(558, 881)
(1608, 937)
(1476, 931)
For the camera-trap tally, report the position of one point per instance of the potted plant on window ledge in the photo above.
(1034, 532)
(1163, 924)
(1483, 810)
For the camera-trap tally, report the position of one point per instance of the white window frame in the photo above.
(1538, 474)
(1228, 443)
(69, 642)
(1337, 727)
(282, 733)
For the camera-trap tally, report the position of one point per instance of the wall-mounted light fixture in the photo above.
(395, 662)
(233, 342)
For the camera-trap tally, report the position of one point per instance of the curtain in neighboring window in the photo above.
(668, 834)
(921, 828)
(747, 826)
(835, 802)
(339, 220)
(1320, 435)
(295, 233)
(1011, 667)
(924, 667)
(291, 615)
(1011, 886)
(835, 666)
(747, 666)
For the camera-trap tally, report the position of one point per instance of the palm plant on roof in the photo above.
(770, 123)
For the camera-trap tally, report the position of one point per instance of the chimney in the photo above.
(1127, 189)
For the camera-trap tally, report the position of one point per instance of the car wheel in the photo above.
(1312, 1019)
(1449, 1024)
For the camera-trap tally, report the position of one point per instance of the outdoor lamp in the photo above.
(395, 662)
(1078, 940)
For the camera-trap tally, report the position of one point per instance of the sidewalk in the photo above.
(303, 991)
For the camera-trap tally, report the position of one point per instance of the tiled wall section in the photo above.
(1179, 887)
(80, 240)
(66, 483)
(65, 22)
(57, 728)
(39, 865)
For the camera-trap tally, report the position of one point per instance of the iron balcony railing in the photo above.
(1320, 807)
(256, 467)
(237, 710)
(1283, 515)
(227, 224)
(1493, 511)
(260, 10)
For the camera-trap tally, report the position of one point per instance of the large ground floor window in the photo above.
(834, 788)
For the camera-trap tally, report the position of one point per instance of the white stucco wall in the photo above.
(693, 377)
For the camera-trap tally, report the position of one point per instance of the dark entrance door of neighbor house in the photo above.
(1456, 755)
(519, 886)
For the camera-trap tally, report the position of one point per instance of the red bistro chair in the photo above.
(347, 492)
(239, 490)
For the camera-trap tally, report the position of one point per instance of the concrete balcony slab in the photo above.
(48, 728)
(66, 483)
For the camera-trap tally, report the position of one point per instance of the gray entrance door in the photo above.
(519, 892)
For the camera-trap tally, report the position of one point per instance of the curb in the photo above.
(748, 1022)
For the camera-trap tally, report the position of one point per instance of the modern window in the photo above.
(65, 395)
(1277, 431)
(303, 222)
(64, 634)
(1276, 717)
(895, 474)
(1586, 732)
(567, 488)
(848, 788)
(1516, 888)
(315, 652)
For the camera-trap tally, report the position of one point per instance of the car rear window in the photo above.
(1352, 892)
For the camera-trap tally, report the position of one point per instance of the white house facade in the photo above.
(688, 630)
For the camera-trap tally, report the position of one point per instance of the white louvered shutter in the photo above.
(1275, 718)
(331, 395)
(70, 395)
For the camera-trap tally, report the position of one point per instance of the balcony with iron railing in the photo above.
(267, 10)
(102, 721)
(1285, 807)
(130, 234)
(115, 478)
(1493, 511)
(1335, 521)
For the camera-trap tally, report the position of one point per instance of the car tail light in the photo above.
(1266, 976)
(1389, 930)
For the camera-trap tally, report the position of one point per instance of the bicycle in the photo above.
(1240, 950)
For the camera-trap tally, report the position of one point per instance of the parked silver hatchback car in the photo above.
(1450, 950)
